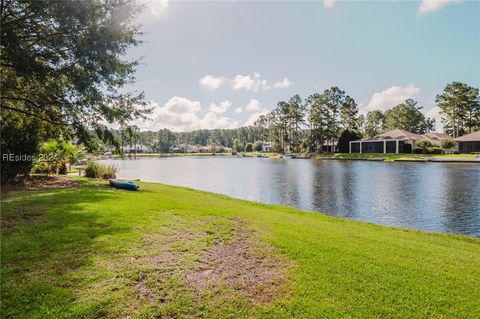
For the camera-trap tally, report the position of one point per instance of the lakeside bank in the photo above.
(389, 157)
(91, 251)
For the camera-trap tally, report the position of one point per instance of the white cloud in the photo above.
(180, 114)
(211, 81)
(253, 105)
(428, 6)
(249, 83)
(182, 105)
(238, 110)
(329, 3)
(434, 112)
(156, 7)
(392, 96)
(222, 108)
(285, 83)
(211, 120)
(251, 120)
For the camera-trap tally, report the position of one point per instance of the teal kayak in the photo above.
(124, 184)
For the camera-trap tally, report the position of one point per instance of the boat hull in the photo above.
(124, 185)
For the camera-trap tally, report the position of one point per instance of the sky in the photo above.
(221, 64)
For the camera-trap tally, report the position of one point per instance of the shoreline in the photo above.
(380, 157)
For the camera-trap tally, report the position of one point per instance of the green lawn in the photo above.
(393, 157)
(170, 252)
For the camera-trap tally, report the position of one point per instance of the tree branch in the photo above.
(34, 115)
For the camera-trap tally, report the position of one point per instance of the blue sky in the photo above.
(221, 64)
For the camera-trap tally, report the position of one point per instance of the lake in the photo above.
(439, 197)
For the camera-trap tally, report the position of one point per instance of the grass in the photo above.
(87, 252)
(394, 157)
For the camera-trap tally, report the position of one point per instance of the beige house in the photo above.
(436, 138)
(395, 141)
(469, 143)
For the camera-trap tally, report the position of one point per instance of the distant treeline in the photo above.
(164, 140)
(300, 125)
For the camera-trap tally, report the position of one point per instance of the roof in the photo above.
(436, 138)
(396, 134)
(472, 137)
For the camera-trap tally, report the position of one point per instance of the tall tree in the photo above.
(62, 65)
(407, 116)
(460, 108)
(317, 120)
(296, 119)
(349, 114)
(375, 123)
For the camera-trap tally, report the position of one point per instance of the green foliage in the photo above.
(345, 138)
(424, 145)
(19, 137)
(249, 147)
(407, 116)
(56, 155)
(62, 70)
(374, 123)
(97, 170)
(258, 146)
(238, 145)
(447, 144)
(460, 106)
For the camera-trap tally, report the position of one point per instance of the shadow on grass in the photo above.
(46, 237)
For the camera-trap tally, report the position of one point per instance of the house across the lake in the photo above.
(436, 138)
(395, 141)
(137, 148)
(469, 143)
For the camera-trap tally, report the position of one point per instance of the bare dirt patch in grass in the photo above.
(39, 182)
(251, 269)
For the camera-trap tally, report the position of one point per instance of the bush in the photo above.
(447, 144)
(249, 147)
(41, 167)
(428, 150)
(434, 150)
(19, 136)
(220, 150)
(345, 138)
(258, 146)
(97, 170)
(424, 145)
(57, 156)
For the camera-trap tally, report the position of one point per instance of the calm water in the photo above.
(437, 197)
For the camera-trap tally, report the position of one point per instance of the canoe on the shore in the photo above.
(124, 184)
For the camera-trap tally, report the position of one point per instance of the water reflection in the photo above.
(429, 196)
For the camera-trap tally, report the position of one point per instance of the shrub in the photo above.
(220, 150)
(97, 170)
(258, 146)
(434, 150)
(41, 167)
(424, 145)
(345, 139)
(249, 147)
(56, 155)
(447, 144)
